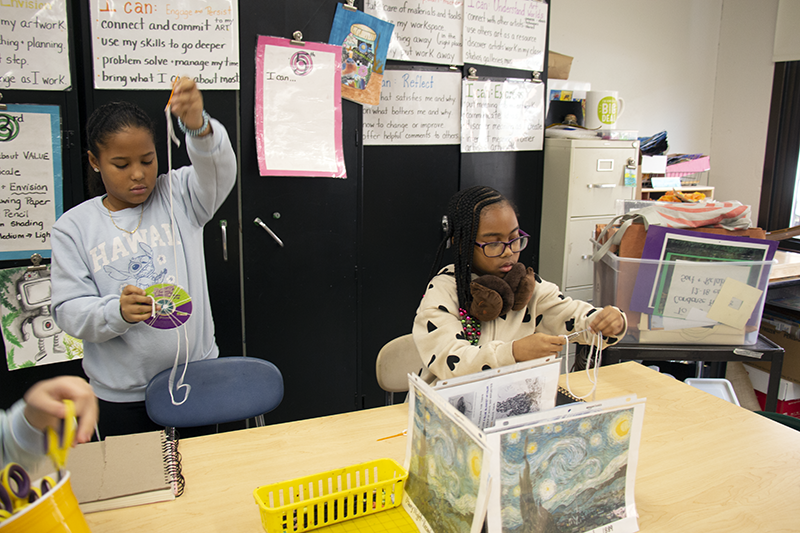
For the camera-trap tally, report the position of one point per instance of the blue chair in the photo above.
(226, 389)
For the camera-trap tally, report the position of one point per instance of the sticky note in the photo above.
(734, 303)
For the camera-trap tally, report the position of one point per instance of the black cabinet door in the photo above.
(300, 299)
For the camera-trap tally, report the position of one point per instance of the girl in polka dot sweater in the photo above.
(487, 310)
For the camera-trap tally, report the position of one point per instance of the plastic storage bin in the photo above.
(662, 308)
(319, 500)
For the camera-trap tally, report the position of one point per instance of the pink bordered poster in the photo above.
(299, 109)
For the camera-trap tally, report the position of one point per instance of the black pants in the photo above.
(131, 417)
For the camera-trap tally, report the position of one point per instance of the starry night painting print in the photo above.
(447, 463)
(570, 475)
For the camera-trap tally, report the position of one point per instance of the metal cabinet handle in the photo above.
(223, 224)
(586, 256)
(271, 233)
(601, 186)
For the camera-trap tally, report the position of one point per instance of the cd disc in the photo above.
(176, 306)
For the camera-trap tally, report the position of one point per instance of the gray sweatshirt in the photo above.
(93, 261)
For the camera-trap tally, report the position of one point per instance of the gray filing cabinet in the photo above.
(583, 179)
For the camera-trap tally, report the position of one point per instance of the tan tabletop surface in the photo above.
(704, 464)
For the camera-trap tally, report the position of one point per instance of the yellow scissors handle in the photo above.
(17, 485)
(4, 514)
(58, 445)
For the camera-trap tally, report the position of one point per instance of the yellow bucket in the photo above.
(55, 512)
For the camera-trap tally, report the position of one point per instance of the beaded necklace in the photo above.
(471, 325)
(141, 214)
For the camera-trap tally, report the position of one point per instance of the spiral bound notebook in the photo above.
(125, 471)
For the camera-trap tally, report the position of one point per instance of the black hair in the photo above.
(106, 121)
(463, 217)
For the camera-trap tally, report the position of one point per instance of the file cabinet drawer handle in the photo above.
(601, 185)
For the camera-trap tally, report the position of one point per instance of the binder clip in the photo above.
(297, 38)
(36, 259)
(349, 5)
(2, 106)
(537, 77)
(473, 73)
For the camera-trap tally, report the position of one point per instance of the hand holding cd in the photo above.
(176, 306)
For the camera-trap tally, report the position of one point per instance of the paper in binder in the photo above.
(569, 468)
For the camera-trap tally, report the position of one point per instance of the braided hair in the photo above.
(108, 120)
(463, 217)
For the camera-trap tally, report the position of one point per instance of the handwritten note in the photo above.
(501, 116)
(428, 31)
(417, 107)
(692, 287)
(145, 45)
(505, 33)
(34, 51)
(30, 179)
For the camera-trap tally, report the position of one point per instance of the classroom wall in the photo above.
(699, 69)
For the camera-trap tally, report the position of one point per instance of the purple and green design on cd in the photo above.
(176, 306)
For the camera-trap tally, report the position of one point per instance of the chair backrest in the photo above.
(226, 389)
(397, 359)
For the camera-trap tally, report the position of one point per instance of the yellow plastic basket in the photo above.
(319, 500)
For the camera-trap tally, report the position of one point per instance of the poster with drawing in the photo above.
(30, 334)
(427, 31)
(513, 390)
(34, 45)
(364, 40)
(572, 474)
(447, 463)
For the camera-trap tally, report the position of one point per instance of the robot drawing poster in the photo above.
(30, 334)
(365, 41)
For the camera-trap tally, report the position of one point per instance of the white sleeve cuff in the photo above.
(29, 438)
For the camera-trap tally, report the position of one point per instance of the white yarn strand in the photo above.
(591, 374)
(171, 137)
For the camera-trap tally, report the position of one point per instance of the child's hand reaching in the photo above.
(134, 305)
(609, 322)
(537, 345)
(44, 404)
(187, 104)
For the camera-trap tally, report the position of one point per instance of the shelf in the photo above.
(648, 193)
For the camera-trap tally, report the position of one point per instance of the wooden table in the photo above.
(768, 350)
(704, 464)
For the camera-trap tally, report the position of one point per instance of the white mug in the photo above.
(603, 108)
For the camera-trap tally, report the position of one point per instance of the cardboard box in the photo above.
(558, 66)
(788, 392)
(787, 336)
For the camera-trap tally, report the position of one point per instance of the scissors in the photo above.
(58, 444)
(17, 491)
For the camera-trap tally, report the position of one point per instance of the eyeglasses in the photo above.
(498, 248)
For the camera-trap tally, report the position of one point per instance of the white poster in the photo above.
(145, 45)
(501, 116)
(505, 33)
(30, 334)
(299, 109)
(30, 179)
(34, 50)
(428, 31)
(417, 107)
